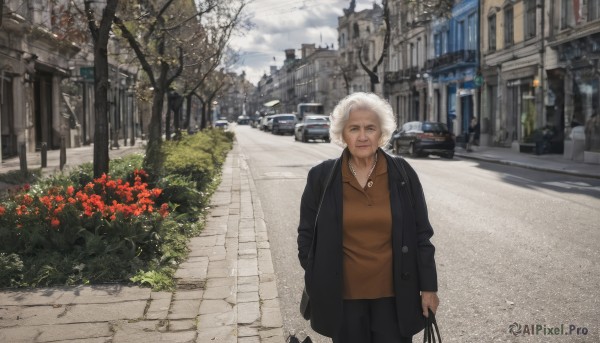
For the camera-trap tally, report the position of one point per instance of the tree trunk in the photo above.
(168, 121)
(100, 36)
(101, 159)
(177, 118)
(188, 110)
(203, 120)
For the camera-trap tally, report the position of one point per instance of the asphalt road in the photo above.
(514, 246)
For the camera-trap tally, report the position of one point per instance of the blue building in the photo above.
(453, 65)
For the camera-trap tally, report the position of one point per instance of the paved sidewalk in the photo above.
(549, 162)
(226, 289)
(75, 157)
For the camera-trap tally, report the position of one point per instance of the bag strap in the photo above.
(431, 329)
(329, 178)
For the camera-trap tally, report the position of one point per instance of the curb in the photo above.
(525, 165)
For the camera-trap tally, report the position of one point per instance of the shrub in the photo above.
(73, 229)
(198, 156)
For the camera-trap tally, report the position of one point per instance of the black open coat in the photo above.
(321, 254)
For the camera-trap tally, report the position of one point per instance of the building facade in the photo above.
(359, 33)
(513, 61)
(314, 77)
(33, 63)
(572, 96)
(407, 86)
(452, 67)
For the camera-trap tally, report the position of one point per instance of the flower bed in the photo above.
(74, 229)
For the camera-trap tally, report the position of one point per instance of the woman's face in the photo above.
(362, 133)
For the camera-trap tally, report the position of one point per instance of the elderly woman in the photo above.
(363, 237)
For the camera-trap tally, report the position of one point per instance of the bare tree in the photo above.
(162, 35)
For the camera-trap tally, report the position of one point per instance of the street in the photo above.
(514, 246)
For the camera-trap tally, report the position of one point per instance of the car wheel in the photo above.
(411, 150)
(295, 137)
(449, 155)
(328, 140)
(304, 138)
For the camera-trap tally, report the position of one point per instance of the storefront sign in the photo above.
(518, 82)
(87, 73)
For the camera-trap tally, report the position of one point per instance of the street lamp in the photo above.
(215, 104)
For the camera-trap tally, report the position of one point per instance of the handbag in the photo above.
(431, 330)
(305, 300)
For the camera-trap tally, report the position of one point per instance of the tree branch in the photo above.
(137, 49)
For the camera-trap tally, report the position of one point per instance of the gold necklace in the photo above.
(370, 182)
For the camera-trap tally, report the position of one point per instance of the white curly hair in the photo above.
(364, 101)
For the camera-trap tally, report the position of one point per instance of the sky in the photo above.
(286, 24)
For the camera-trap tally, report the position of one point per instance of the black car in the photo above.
(422, 138)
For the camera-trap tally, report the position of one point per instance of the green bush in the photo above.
(199, 156)
(46, 240)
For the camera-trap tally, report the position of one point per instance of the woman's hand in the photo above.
(429, 300)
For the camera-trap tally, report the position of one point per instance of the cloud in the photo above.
(286, 24)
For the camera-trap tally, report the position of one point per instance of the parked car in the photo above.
(243, 120)
(222, 124)
(312, 127)
(422, 138)
(264, 123)
(283, 123)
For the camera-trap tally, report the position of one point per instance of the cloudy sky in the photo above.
(286, 24)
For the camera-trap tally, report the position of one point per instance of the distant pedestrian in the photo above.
(364, 234)
(473, 134)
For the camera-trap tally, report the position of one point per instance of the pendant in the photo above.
(370, 183)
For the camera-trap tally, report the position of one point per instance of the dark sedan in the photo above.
(422, 138)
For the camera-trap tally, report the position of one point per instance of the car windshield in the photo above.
(434, 127)
(285, 118)
(316, 120)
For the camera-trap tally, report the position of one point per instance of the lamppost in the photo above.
(215, 111)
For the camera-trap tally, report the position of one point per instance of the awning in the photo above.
(271, 103)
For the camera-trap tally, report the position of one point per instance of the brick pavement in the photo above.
(226, 289)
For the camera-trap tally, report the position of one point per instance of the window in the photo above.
(593, 10)
(566, 14)
(417, 52)
(530, 19)
(445, 42)
(460, 36)
(472, 42)
(492, 32)
(437, 41)
(508, 26)
(356, 31)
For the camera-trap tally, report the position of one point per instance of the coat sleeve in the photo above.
(425, 250)
(308, 214)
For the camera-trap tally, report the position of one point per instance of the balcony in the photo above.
(452, 58)
(401, 75)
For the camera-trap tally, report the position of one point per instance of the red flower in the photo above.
(2, 210)
(55, 222)
(70, 190)
(164, 210)
(26, 187)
